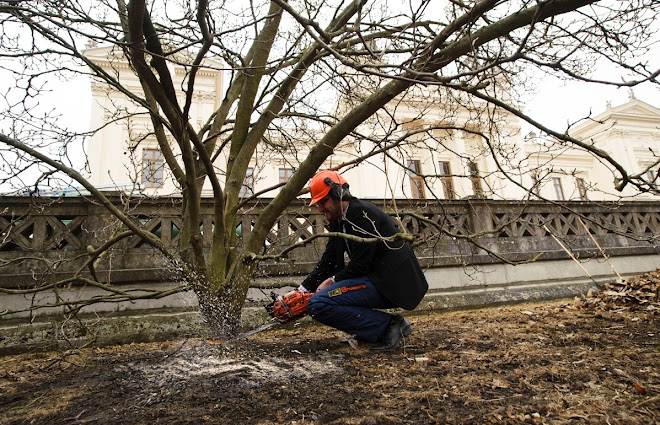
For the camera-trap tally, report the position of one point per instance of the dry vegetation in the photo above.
(593, 360)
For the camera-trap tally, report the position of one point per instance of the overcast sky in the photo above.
(557, 103)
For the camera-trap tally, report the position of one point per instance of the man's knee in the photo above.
(318, 305)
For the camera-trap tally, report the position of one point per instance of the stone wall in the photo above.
(475, 252)
(463, 244)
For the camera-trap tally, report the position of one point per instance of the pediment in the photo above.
(634, 107)
(634, 113)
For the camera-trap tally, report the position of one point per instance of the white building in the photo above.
(124, 153)
(438, 162)
(628, 133)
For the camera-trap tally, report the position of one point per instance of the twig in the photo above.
(598, 245)
(645, 401)
(569, 253)
(395, 237)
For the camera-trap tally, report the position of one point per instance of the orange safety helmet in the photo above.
(323, 182)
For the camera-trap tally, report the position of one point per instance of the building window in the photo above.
(416, 180)
(445, 179)
(473, 170)
(248, 184)
(559, 191)
(582, 188)
(153, 166)
(285, 174)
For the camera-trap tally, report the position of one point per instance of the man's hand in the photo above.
(329, 281)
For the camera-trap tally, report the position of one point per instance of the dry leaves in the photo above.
(544, 363)
(637, 292)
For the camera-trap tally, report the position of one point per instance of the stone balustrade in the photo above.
(44, 239)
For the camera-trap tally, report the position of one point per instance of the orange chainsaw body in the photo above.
(291, 306)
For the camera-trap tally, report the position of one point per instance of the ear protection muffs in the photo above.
(330, 183)
(336, 189)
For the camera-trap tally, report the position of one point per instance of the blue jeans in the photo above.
(349, 306)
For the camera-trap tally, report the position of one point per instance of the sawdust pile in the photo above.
(157, 381)
(640, 292)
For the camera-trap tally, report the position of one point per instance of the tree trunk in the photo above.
(221, 301)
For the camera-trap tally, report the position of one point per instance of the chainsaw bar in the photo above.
(285, 309)
(243, 335)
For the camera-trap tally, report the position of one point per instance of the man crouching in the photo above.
(379, 275)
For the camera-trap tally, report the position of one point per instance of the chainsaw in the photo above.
(289, 307)
(284, 309)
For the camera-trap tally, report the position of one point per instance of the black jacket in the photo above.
(391, 266)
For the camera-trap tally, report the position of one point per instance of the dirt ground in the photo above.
(589, 361)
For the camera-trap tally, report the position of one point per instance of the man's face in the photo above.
(330, 207)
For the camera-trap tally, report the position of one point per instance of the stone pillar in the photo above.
(481, 223)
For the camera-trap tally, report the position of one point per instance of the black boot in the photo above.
(396, 329)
